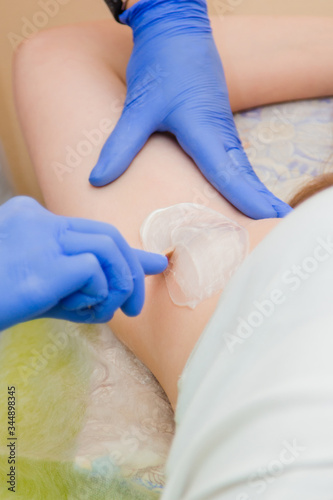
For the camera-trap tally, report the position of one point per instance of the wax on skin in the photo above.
(208, 249)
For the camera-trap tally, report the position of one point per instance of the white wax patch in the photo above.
(209, 248)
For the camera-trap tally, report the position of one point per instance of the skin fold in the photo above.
(70, 87)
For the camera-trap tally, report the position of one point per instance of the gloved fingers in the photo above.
(151, 263)
(81, 282)
(86, 315)
(208, 152)
(127, 139)
(78, 301)
(134, 304)
(105, 310)
(85, 274)
(112, 261)
(98, 313)
(240, 160)
(80, 271)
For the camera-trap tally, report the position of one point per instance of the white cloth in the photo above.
(255, 409)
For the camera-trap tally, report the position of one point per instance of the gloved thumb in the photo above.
(127, 139)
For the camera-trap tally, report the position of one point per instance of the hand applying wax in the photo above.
(67, 268)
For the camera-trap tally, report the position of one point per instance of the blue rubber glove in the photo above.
(176, 83)
(67, 268)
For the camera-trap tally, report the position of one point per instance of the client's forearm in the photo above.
(130, 3)
(275, 59)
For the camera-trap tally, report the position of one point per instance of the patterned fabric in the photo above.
(290, 143)
(129, 422)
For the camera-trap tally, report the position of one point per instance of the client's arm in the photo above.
(69, 90)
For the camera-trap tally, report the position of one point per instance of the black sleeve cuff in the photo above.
(116, 7)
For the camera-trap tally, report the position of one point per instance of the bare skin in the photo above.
(70, 80)
(130, 3)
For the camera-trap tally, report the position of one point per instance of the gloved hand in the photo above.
(67, 268)
(176, 83)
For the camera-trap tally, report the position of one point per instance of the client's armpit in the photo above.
(208, 249)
